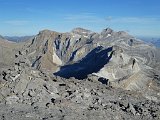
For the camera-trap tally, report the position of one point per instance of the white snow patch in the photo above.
(108, 35)
(56, 59)
(85, 36)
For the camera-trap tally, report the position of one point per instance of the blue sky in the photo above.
(27, 17)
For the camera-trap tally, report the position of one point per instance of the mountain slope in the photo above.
(74, 54)
(8, 50)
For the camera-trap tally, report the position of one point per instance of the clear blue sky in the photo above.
(27, 17)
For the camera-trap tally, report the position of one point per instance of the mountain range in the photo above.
(18, 38)
(80, 74)
(151, 40)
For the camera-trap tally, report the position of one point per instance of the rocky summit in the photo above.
(79, 75)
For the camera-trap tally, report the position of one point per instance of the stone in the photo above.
(12, 99)
(132, 109)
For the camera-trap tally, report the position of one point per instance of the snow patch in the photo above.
(108, 35)
(56, 59)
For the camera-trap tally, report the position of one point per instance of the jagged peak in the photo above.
(107, 31)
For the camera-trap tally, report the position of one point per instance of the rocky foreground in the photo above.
(35, 96)
(30, 94)
(80, 75)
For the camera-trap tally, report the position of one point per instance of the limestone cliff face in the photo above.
(124, 71)
(130, 61)
(41, 52)
(49, 49)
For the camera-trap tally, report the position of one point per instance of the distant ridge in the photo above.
(18, 38)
